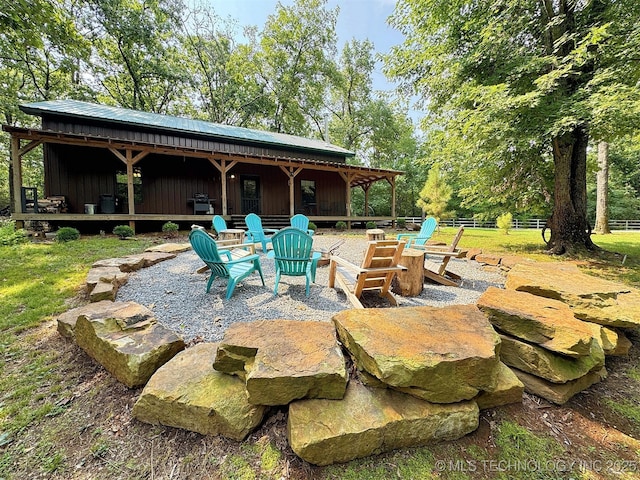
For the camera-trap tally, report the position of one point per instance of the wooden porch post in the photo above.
(392, 181)
(16, 179)
(131, 201)
(291, 174)
(366, 198)
(223, 186)
(223, 168)
(129, 160)
(347, 177)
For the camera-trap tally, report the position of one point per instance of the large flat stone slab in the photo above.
(591, 298)
(613, 341)
(442, 355)
(548, 365)
(170, 247)
(151, 258)
(103, 291)
(543, 321)
(186, 392)
(127, 341)
(67, 320)
(558, 393)
(106, 274)
(508, 390)
(284, 360)
(371, 421)
(125, 264)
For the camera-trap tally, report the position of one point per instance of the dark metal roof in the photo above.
(124, 116)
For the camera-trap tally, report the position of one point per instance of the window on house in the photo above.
(121, 185)
(308, 192)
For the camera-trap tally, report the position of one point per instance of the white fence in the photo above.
(537, 223)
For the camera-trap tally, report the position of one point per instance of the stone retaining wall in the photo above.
(420, 374)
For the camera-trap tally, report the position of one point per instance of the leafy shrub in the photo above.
(401, 222)
(505, 222)
(9, 235)
(67, 234)
(340, 226)
(312, 226)
(170, 228)
(371, 225)
(123, 231)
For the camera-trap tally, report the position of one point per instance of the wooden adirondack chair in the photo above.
(436, 271)
(420, 239)
(233, 270)
(293, 256)
(378, 268)
(256, 233)
(302, 222)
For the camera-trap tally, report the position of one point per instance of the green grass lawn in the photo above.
(619, 259)
(40, 280)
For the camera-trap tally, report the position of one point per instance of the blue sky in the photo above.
(360, 19)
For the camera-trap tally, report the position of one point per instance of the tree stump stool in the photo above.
(232, 234)
(410, 282)
(375, 234)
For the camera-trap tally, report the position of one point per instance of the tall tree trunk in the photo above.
(570, 230)
(602, 190)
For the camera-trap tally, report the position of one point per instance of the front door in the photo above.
(250, 195)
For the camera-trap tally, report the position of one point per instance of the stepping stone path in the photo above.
(422, 373)
(106, 276)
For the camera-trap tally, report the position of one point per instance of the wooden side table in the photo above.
(232, 234)
(410, 282)
(374, 234)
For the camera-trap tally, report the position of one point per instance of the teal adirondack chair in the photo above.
(233, 270)
(420, 239)
(256, 233)
(293, 256)
(302, 222)
(219, 224)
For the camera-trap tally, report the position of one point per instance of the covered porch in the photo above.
(145, 182)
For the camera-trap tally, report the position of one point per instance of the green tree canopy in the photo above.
(294, 63)
(137, 56)
(517, 85)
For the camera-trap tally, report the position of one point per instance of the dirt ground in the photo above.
(93, 435)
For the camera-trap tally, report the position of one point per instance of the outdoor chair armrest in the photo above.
(270, 230)
(400, 236)
(231, 246)
(345, 263)
(243, 259)
(443, 253)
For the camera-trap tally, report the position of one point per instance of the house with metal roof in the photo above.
(111, 164)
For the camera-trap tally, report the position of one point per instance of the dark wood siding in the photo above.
(331, 193)
(168, 182)
(81, 174)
